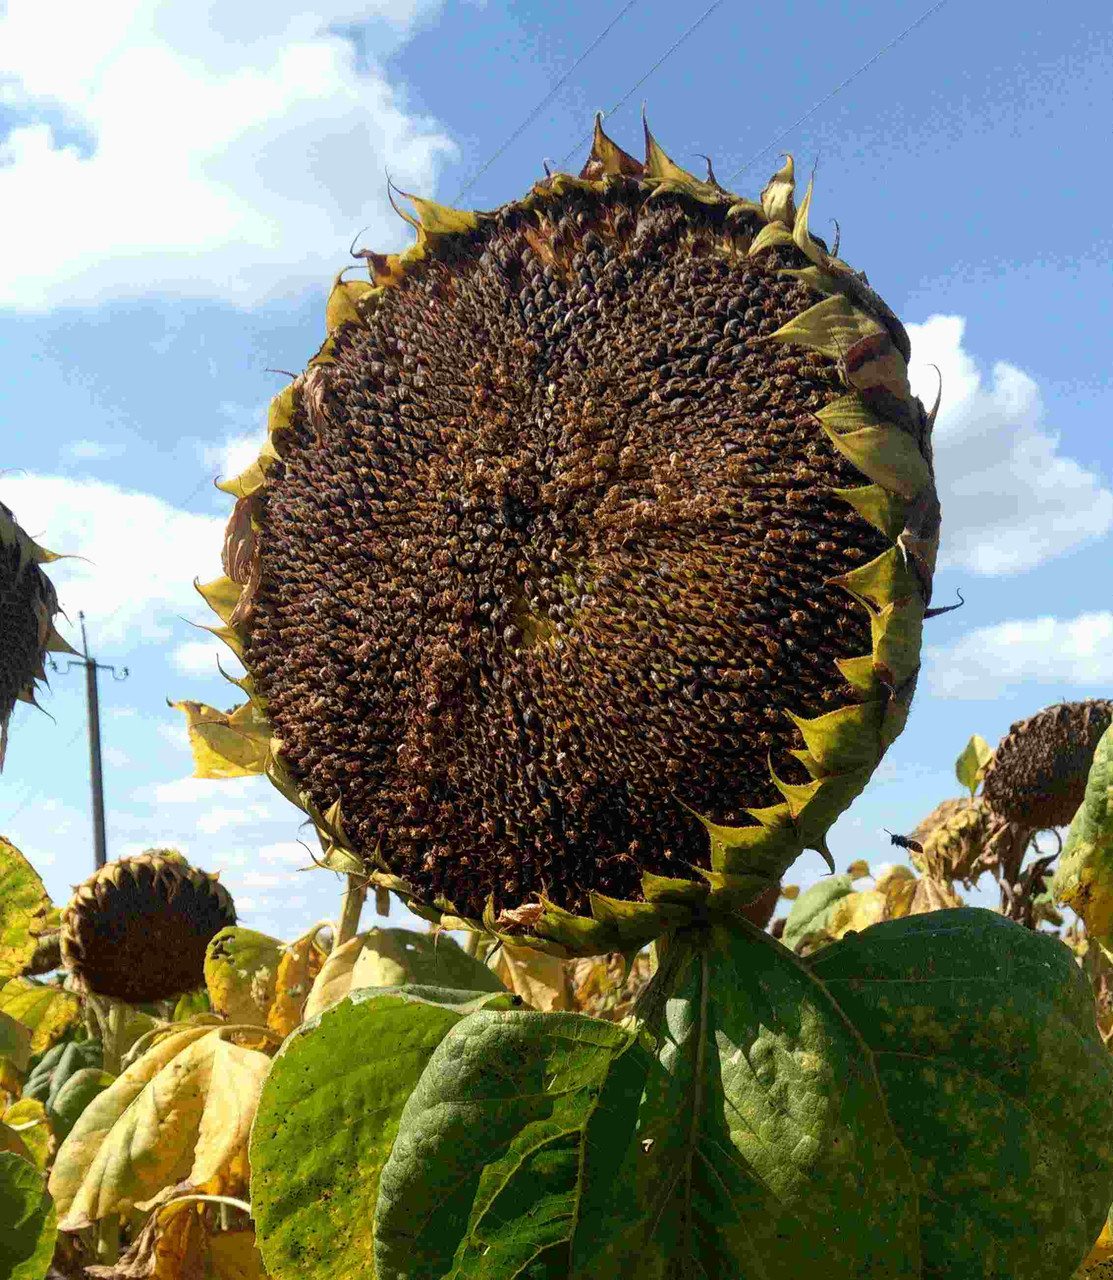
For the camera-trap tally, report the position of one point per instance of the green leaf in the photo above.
(397, 957)
(28, 1223)
(808, 917)
(984, 1040)
(326, 1121)
(970, 766)
(929, 1097)
(70, 1098)
(58, 1065)
(1084, 877)
(518, 1117)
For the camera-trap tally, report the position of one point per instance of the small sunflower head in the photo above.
(1037, 776)
(137, 929)
(28, 607)
(580, 581)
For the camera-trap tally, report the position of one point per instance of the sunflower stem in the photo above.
(108, 1240)
(111, 1017)
(471, 943)
(352, 906)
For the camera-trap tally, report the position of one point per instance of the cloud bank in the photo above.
(199, 149)
(1011, 500)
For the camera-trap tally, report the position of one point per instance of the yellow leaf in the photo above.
(11, 1141)
(30, 1111)
(137, 1135)
(300, 964)
(235, 1256)
(231, 1100)
(24, 905)
(46, 1010)
(334, 981)
(241, 968)
(541, 980)
(231, 744)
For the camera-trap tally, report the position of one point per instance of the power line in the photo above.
(667, 54)
(545, 100)
(839, 87)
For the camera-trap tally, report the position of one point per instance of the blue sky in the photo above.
(181, 181)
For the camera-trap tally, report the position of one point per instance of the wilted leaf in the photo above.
(137, 1135)
(299, 966)
(231, 1098)
(47, 1010)
(970, 766)
(24, 906)
(171, 1245)
(540, 979)
(236, 1256)
(326, 1120)
(856, 911)
(231, 744)
(241, 969)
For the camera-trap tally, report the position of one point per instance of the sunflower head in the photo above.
(1037, 776)
(28, 607)
(137, 929)
(580, 581)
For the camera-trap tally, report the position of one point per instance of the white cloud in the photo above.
(201, 790)
(234, 147)
(263, 879)
(116, 758)
(297, 855)
(219, 818)
(177, 735)
(992, 661)
(1010, 500)
(140, 556)
(236, 454)
(200, 658)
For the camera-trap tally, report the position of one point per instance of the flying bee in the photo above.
(903, 842)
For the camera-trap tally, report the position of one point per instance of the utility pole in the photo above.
(92, 702)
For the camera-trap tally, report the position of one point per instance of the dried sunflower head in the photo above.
(1037, 776)
(28, 606)
(954, 837)
(580, 581)
(137, 928)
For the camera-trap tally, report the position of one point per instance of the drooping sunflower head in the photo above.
(137, 929)
(580, 581)
(1037, 776)
(28, 607)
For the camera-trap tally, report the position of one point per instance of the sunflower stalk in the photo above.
(351, 908)
(107, 1245)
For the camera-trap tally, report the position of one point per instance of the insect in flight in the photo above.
(903, 842)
